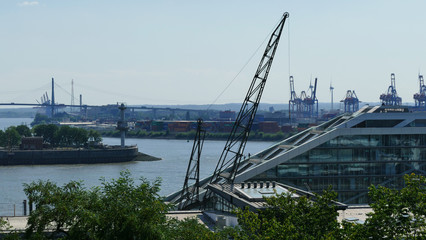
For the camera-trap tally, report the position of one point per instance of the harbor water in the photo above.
(171, 169)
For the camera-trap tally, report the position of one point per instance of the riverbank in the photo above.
(171, 169)
(143, 157)
(107, 154)
(139, 134)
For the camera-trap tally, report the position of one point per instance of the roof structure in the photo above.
(252, 194)
(390, 137)
(368, 120)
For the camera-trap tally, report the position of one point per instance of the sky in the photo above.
(204, 52)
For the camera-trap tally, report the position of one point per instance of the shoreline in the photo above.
(184, 139)
(273, 137)
(73, 156)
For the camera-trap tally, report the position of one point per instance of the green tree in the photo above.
(5, 227)
(289, 217)
(120, 209)
(12, 137)
(3, 224)
(94, 136)
(189, 229)
(80, 136)
(3, 139)
(71, 136)
(40, 119)
(398, 214)
(64, 136)
(24, 130)
(47, 131)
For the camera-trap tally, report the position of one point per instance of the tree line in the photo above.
(254, 136)
(127, 209)
(53, 135)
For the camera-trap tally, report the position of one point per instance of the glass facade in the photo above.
(350, 164)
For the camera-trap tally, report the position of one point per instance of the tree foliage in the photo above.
(69, 136)
(189, 229)
(24, 130)
(94, 136)
(3, 224)
(124, 209)
(397, 214)
(47, 131)
(66, 136)
(119, 209)
(288, 217)
(10, 137)
(40, 119)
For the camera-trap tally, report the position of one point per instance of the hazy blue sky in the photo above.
(187, 52)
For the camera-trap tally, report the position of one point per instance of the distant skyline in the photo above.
(188, 52)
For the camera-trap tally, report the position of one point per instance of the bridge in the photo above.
(52, 107)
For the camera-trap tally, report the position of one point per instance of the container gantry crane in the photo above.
(420, 97)
(310, 102)
(295, 103)
(351, 101)
(391, 97)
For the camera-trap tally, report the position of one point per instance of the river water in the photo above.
(171, 169)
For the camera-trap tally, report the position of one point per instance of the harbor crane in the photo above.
(304, 106)
(295, 103)
(228, 165)
(310, 102)
(420, 97)
(351, 101)
(391, 97)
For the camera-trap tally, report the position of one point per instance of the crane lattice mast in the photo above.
(420, 97)
(228, 164)
(294, 104)
(391, 97)
(190, 192)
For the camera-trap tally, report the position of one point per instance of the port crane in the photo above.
(391, 97)
(420, 97)
(228, 165)
(310, 102)
(351, 101)
(295, 103)
(191, 192)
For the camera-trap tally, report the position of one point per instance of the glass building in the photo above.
(376, 145)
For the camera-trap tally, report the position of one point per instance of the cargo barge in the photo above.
(106, 154)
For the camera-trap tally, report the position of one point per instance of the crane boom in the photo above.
(314, 97)
(228, 164)
(190, 193)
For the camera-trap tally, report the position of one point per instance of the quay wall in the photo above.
(68, 156)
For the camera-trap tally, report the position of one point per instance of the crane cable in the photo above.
(244, 66)
(288, 37)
